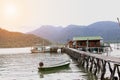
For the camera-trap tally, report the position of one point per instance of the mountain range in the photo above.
(17, 39)
(110, 31)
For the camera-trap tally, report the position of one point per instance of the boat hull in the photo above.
(66, 65)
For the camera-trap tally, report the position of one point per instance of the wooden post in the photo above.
(98, 49)
(118, 71)
(110, 68)
(87, 62)
(98, 64)
(83, 60)
(103, 70)
(113, 72)
(80, 59)
(91, 66)
(95, 68)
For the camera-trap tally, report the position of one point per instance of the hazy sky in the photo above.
(26, 15)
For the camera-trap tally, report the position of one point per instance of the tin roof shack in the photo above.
(90, 44)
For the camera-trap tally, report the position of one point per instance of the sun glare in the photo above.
(10, 10)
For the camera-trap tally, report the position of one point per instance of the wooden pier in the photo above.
(96, 63)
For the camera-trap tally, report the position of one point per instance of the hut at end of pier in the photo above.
(87, 43)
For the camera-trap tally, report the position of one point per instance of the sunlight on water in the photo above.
(14, 50)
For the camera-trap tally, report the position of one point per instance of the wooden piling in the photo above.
(113, 72)
(103, 70)
(118, 71)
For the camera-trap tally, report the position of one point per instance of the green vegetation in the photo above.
(17, 39)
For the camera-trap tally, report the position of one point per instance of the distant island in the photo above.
(16, 39)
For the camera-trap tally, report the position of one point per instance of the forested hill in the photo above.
(110, 31)
(16, 39)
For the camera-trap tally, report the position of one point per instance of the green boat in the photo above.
(61, 65)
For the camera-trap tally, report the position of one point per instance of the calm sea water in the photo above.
(20, 64)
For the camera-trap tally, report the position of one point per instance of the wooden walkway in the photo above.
(96, 63)
(99, 56)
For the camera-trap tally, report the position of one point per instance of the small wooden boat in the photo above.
(61, 65)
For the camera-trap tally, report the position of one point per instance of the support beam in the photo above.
(87, 62)
(110, 68)
(113, 72)
(103, 70)
(91, 66)
(95, 63)
(118, 71)
(98, 64)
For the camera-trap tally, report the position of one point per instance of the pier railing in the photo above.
(96, 63)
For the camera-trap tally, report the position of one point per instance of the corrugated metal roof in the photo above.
(88, 38)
